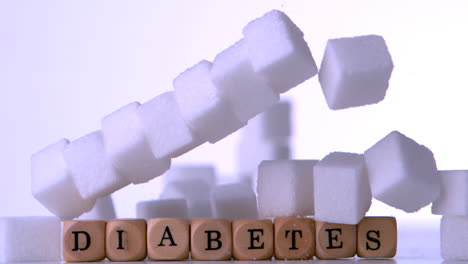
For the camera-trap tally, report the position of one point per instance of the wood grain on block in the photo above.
(83, 240)
(335, 240)
(294, 238)
(168, 239)
(252, 239)
(126, 239)
(377, 237)
(211, 239)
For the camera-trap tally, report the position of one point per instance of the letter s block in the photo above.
(168, 239)
(377, 237)
(83, 241)
(335, 240)
(211, 239)
(252, 239)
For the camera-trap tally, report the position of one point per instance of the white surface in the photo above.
(201, 105)
(127, 147)
(234, 201)
(170, 208)
(355, 71)
(402, 173)
(453, 198)
(341, 188)
(278, 52)
(285, 188)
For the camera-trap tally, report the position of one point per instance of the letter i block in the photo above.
(377, 237)
(252, 239)
(168, 239)
(211, 239)
(83, 240)
(335, 240)
(126, 239)
(294, 238)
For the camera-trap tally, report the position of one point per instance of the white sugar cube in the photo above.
(165, 129)
(127, 147)
(52, 183)
(233, 75)
(274, 124)
(454, 237)
(171, 208)
(285, 188)
(278, 51)
(199, 172)
(355, 71)
(402, 173)
(92, 171)
(234, 201)
(102, 210)
(30, 239)
(341, 188)
(201, 105)
(453, 198)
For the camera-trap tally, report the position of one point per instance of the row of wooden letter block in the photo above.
(219, 239)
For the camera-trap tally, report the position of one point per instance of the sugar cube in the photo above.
(52, 183)
(168, 134)
(402, 173)
(453, 198)
(355, 71)
(170, 208)
(102, 210)
(285, 188)
(278, 51)
(233, 75)
(234, 201)
(127, 147)
(200, 103)
(92, 171)
(341, 188)
(199, 172)
(454, 237)
(273, 125)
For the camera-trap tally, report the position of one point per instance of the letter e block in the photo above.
(168, 239)
(294, 238)
(335, 240)
(211, 239)
(126, 239)
(377, 237)
(83, 241)
(252, 239)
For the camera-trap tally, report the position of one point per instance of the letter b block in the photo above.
(294, 238)
(168, 239)
(377, 237)
(252, 239)
(335, 240)
(83, 241)
(211, 239)
(126, 239)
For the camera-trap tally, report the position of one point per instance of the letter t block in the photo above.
(211, 239)
(83, 241)
(335, 240)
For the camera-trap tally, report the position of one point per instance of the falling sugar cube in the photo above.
(102, 210)
(234, 201)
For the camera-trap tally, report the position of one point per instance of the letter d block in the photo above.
(126, 239)
(168, 239)
(377, 237)
(294, 238)
(83, 240)
(211, 239)
(252, 239)
(335, 241)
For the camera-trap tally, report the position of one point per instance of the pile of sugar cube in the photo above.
(214, 99)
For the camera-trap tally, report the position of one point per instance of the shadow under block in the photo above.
(335, 240)
(377, 237)
(294, 238)
(211, 239)
(126, 239)
(252, 239)
(83, 240)
(168, 239)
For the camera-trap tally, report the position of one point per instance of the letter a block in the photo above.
(377, 237)
(126, 239)
(211, 239)
(83, 240)
(335, 240)
(252, 239)
(168, 239)
(294, 238)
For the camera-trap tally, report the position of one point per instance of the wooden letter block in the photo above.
(83, 240)
(335, 240)
(252, 239)
(294, 238)
(211, 239)
(377, 237)
(168, 239)
(126, 239)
